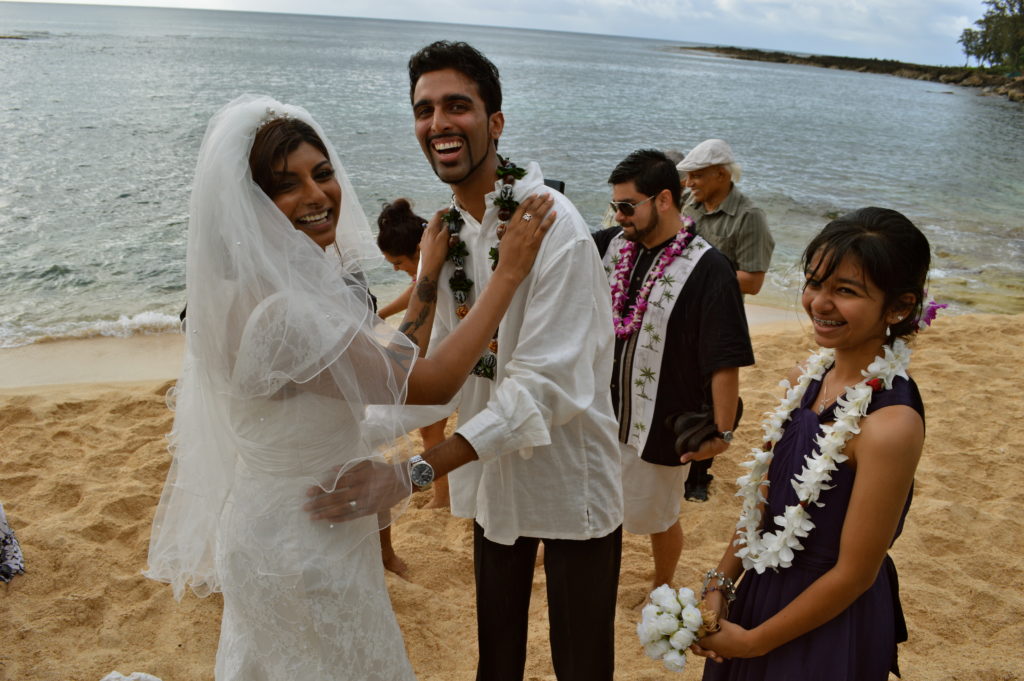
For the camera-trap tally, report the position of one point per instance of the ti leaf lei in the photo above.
(461, 284)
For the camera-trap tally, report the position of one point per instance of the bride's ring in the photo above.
(352, 504)
(527, 217)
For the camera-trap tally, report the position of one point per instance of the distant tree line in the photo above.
(998, 39)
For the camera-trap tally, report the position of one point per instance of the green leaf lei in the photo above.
(461, 284)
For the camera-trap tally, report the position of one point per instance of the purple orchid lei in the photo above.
(627, 325)
(928, 314)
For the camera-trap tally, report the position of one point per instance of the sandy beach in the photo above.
(82, 427)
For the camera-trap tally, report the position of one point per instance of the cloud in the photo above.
(923, 31)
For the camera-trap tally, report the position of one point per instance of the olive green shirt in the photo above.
(738, 229)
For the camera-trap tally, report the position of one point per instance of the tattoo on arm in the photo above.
(426, 290)
(402, 359)
(426, 293)
(410, 327)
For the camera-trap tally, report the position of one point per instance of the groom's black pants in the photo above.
(582, 581)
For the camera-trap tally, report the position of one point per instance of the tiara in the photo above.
(272, 114)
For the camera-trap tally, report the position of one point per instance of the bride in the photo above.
(283, 354)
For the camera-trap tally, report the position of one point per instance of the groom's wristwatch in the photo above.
(726, 435)
(421, 472)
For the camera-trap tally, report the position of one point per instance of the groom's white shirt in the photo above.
(543, 429)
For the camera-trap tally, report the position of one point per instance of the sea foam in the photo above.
(122, 327)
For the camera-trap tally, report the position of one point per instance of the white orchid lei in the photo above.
(775, 549)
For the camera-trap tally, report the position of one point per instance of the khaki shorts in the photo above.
(651, 494)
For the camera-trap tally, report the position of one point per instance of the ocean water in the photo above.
(103, 109)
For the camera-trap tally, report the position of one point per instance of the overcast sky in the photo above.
(921, 31)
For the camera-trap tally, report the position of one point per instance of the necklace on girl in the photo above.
(824, 396)
(461, 284)
(761, 550)
(628, 324)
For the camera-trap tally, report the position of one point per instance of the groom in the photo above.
(535, 456)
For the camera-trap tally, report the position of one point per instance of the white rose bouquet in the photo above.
(671, 623)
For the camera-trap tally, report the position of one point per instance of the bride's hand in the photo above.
(524, 234)
(434, 246)
(369, 487)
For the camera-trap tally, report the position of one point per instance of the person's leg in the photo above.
(434, 435)
(650, 495)
(666, 547)
(583, 582)
(504, 579)
(698, 481)
(391, 560)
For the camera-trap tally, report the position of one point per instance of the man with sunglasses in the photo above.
(681, 336)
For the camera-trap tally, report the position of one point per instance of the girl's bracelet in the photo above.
(725, 585)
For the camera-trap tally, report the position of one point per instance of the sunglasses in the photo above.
(627, 208)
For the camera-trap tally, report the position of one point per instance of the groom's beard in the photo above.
(441, 170)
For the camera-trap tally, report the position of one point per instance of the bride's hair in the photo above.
(273, 143)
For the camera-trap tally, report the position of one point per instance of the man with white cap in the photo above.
(733, 225)
(724, 216)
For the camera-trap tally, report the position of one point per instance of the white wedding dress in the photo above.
(302, 599)
(283, 355)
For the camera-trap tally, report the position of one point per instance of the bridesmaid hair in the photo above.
(399, 229)
(893, 253)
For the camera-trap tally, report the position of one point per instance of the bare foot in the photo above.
(391, 560)
(392, 563)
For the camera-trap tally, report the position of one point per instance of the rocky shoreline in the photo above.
(1012, 88)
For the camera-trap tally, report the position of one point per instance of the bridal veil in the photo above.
(283, 352)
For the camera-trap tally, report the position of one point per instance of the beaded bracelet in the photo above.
(725, 585)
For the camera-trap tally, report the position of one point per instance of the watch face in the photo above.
(727, 436)
(421, 473)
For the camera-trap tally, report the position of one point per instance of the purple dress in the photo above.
(859, 644)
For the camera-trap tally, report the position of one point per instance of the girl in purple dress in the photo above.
(819, 599)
